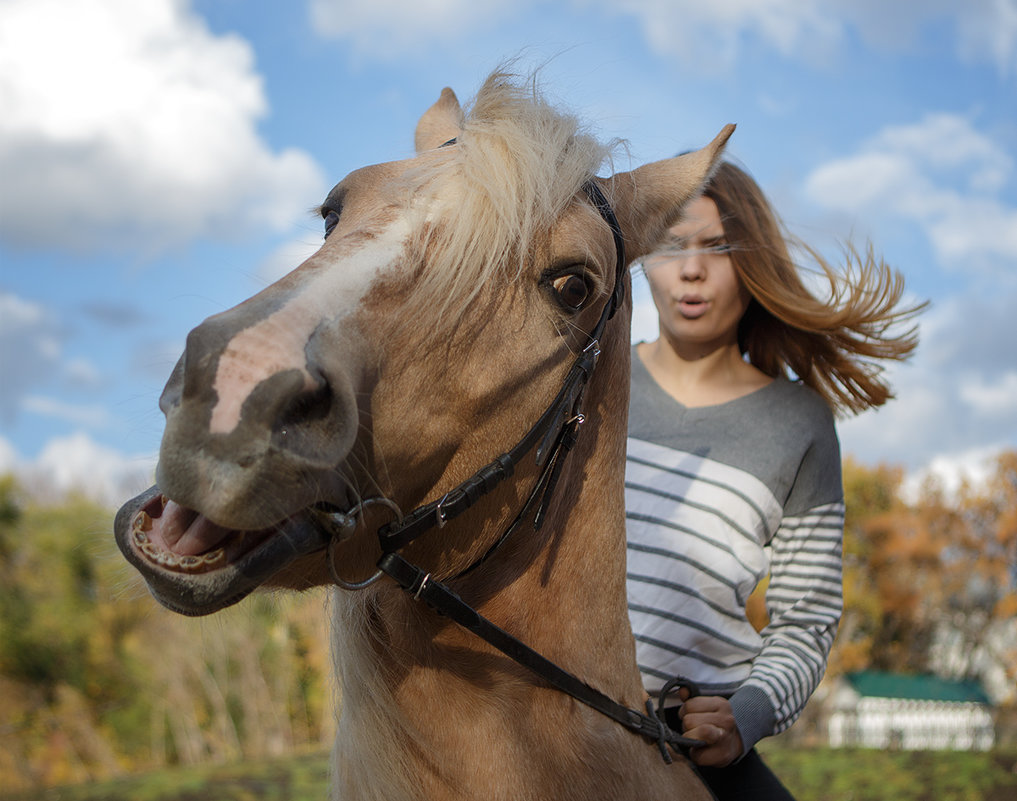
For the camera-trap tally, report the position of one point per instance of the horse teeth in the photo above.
(188, 563)
(142, 522)
(167, 559)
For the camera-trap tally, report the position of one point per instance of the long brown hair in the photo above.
(834, 345)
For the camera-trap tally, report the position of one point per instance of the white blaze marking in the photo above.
(277, 343)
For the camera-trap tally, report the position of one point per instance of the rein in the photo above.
(553, 435)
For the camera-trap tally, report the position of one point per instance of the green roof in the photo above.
(873, 684)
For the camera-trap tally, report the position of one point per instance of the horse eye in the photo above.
(572, 291)
(331, 221)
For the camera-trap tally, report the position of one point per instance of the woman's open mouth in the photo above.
(692, 306)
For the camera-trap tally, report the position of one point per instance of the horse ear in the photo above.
(440, 123)
(649, 199)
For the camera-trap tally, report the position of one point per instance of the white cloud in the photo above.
(950, 471)
(956, 396)
(29, 350)
(939, 173)
(948, 141)
(693, 31)
(32, 360)
(8, 457)
(91, 416)
(715, 31)
(82, 374)
(991, 395)
(129, 122)
(644, 313)
(79, 464)
(991, 34)
(386, 28)
(986, 30)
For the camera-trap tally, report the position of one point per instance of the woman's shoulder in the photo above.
(788, 397)
(792, 413)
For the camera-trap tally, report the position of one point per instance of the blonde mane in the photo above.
(517, 164)
(368, 718)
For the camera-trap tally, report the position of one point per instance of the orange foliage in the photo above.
(912, 567)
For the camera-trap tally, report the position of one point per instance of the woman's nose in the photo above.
(692, 267)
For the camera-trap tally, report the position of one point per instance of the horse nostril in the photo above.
(303, 409)
(305, 422)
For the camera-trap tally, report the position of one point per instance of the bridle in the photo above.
(553, 436)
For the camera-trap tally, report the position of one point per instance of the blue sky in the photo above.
(158, 161)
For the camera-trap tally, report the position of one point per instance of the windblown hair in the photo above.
(517, 164)
(835, 344)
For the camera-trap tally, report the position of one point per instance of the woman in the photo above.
(733, 470)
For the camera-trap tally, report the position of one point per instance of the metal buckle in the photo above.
(439, 513)
(420, 587)
(348, 520)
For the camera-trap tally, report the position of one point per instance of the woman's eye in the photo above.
(331, 220)
(572, 291)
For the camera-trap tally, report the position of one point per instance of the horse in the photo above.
(412, 416)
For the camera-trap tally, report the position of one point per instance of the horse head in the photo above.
(427, 333)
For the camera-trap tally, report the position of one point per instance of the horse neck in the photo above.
(414, 677)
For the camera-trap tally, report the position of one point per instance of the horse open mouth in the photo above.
(180, 539)
(194, 566)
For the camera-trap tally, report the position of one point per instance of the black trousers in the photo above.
(749, 779)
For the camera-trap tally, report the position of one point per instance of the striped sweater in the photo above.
(718, 498)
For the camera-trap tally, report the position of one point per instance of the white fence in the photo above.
(913, 725)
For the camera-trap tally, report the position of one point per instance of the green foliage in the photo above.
(811, 774)
(818, 774)
(298, 778)
(58, 622)
(96, 679)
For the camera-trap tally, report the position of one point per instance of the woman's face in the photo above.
(698, 295)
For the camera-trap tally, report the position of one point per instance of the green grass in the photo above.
(297, 778)
(870, 775)
(811, 774)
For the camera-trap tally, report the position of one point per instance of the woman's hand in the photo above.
(709, 718)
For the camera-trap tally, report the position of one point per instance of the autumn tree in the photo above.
(930, 584)
(97, 679)
(869, 494)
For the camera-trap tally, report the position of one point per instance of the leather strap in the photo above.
(563, 409)
(440, 598)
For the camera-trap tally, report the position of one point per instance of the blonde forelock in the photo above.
(516, 165)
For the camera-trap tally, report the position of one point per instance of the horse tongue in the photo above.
(187, 533)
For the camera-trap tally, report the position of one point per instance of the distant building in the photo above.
(913, 713)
